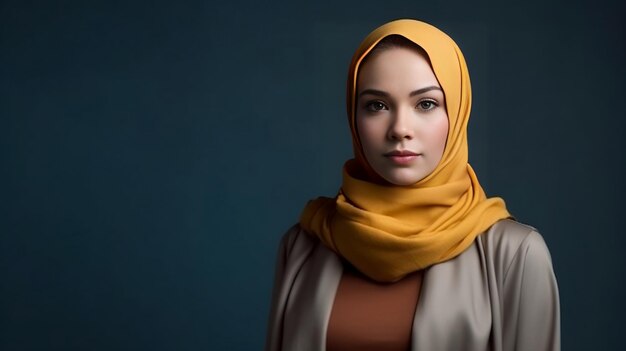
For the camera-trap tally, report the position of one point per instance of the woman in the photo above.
(411, 254)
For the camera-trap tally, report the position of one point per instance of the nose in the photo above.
(400, 126)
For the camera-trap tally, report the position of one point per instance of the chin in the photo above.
(403, 178)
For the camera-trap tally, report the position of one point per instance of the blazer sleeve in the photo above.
(294, 248)
(274, 327)
(531, 312)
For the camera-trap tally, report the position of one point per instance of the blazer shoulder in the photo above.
(297, 242)
(507, 240)
(506, 234)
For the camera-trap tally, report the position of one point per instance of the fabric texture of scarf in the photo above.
(388, 231)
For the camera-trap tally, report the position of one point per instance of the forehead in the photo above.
(397, 68)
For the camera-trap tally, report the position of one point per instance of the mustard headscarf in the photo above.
(388, 231)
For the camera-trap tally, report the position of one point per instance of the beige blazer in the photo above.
(500, 294)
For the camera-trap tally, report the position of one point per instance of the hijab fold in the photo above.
(388, 231)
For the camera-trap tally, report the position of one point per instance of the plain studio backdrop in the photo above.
(154, 153)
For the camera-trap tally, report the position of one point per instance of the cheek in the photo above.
(439, 134)
(368, 134)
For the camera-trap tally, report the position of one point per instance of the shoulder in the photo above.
(508, 243)
(296, 242)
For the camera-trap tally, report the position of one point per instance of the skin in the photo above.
(400, 106)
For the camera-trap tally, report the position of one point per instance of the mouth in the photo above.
(402, 157)
(401, 153)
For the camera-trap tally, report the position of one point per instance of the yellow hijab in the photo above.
(388, 231)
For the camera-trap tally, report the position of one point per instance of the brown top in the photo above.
(367, 315)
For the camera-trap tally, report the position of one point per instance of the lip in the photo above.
(401, 153)
(402, 157)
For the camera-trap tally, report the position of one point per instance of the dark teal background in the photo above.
(154, 152)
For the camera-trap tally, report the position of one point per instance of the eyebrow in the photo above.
(386, 94)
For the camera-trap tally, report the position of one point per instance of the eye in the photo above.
(375, 106)
(427, 105)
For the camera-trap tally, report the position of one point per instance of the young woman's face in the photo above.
(401, 117)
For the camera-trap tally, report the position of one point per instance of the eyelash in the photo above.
(433, 102)
(369, 106)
